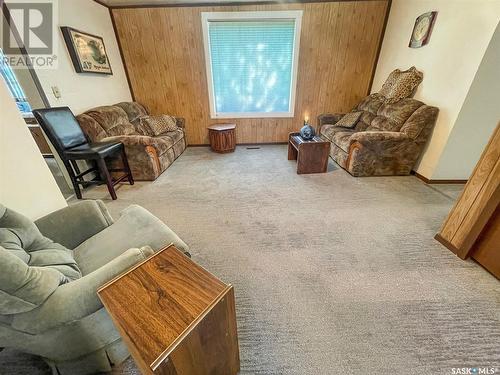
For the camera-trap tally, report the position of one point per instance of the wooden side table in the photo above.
(311, 156)
(174, 316)
(222, 137)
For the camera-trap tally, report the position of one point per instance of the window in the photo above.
(13, 84)
(251, 62)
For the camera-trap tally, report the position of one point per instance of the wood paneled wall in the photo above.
(164, 56)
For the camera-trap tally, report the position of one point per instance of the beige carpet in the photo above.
(333, 274)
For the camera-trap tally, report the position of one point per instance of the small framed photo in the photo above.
(87, 51)
(422, 30)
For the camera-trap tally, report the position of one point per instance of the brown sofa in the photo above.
(148, 156)
(387, 139)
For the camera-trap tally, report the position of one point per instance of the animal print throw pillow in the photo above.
(349, 120)
(158, 124)
(400, 84)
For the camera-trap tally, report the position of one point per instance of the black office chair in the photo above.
(65, 134)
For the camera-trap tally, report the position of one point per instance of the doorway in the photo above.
(25, 88)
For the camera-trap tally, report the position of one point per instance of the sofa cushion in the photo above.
(343, 139)
(361, 126)
(133, 110)
(392, 116)
(401, 111)
(366, 117)
(179, 147)
(370, 104)
(349, 120)
(400, 84)
(159, 124)
(420, 123)
(142, 127)
(91, 127)
(384, 124)
(172, 137)
(113, 120)
(327, 131)
(22, 238)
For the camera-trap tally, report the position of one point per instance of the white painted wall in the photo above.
(81, 91)
(26, 184)
(477, 118)
(461, 34)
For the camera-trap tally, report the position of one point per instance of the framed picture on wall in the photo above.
(87, 51)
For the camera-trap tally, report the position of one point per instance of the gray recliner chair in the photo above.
(50, 271)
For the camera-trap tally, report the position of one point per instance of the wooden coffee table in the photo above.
(175, 317)
(311, 156)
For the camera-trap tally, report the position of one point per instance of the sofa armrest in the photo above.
(181, 122)
(77, 299)
(379, 140)
(329, 118)
(72, 225)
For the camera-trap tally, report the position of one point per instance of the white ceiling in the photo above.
(113, 3)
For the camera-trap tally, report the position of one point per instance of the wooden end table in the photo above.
(222, 137)
(311, 156)
(175, 317)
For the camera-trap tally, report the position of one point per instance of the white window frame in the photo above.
(207, 17)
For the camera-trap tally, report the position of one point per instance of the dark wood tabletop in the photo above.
(311, 155)
(297, 139)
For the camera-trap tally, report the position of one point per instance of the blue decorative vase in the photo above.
(307, 132)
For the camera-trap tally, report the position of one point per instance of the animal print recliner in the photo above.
(382, 135)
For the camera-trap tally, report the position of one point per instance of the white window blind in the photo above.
(252, 65)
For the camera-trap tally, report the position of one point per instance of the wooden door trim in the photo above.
(477, 203)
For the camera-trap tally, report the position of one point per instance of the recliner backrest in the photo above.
(420, 124)
(31, 265)
(407, 115)
(392, 116)
(91, 127)
(369, 107)
(20, 237)
(24, 287)
(370, 104)
(112, 119)
(133, 110)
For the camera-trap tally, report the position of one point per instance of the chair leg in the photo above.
(126, 166)
(103, 169)
(76, 168)
(74, 181)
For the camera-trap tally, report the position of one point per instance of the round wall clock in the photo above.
(422, 30)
